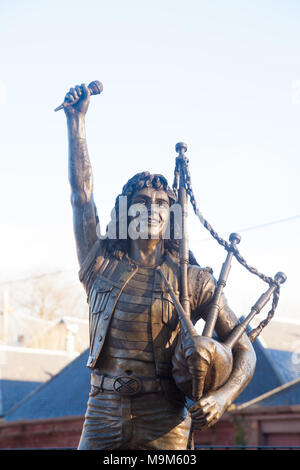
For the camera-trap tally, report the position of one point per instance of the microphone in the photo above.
(95, 88)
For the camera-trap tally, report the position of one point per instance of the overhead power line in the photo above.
(279, 221)
(55, 273)
(258, 226)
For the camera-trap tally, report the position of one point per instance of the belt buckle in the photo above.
(127, 385)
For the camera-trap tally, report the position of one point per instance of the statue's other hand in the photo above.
(77, 100)
(199, 352)
(207, 411)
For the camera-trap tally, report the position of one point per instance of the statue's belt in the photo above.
(126, 385)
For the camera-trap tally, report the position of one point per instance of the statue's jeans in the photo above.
(142, 422)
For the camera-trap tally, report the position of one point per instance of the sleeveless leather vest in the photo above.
(130, 334)
(104, 280)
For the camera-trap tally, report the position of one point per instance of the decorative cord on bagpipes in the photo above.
(274, 283)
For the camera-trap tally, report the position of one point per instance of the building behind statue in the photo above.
(267, 413)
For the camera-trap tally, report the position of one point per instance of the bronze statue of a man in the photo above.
(134, 402)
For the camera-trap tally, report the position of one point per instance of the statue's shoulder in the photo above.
(95, 257)
(199, 276)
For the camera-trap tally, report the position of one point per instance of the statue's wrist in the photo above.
(225, 395)
(75, 117)
(76, 126)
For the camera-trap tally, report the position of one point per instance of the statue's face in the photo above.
(149, 212)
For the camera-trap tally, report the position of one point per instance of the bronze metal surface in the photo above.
(145, 296)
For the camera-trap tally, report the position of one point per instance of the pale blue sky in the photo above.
(217, 75)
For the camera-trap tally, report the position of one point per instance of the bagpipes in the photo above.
(195, 352)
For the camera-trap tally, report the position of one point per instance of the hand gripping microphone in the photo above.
(95, 88)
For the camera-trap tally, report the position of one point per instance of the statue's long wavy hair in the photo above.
(118, 247)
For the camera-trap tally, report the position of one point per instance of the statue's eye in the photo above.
(140, 201)
(163, 204)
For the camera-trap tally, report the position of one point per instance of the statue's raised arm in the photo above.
(80, 171)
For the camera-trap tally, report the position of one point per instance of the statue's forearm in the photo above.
(244, 361)
(80, 171)
(244, 357)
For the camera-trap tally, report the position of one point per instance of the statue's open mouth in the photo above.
(152, 221)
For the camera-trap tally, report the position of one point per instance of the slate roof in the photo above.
(66, 394)
(287, 363)
(278, 363)
(281, 339)
(13, 391)
(24, 369)
(287, 397)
